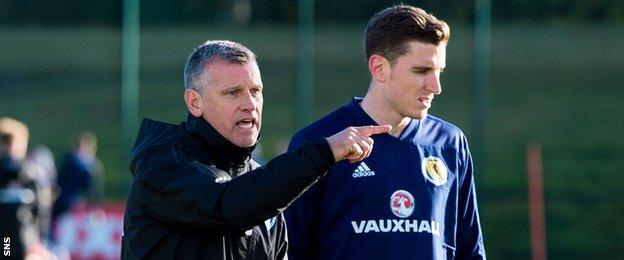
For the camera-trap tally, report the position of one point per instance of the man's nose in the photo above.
(433, 84)
(247, 102)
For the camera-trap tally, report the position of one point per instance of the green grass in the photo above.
(557, 85)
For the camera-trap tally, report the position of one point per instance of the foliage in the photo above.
(72, 12)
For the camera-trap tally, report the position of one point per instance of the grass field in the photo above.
(557, 85)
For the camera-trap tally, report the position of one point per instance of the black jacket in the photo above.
(18, 205)
(195, 195)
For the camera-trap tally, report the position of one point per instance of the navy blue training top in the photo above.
(413, 198)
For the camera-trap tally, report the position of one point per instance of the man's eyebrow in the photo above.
(231, 89)
(238, 87)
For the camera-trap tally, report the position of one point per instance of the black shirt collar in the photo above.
(225, 154)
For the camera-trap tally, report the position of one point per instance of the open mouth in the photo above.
(425, 101)
(246, 123)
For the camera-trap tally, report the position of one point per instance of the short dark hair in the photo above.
(389, 31)
(228, 51)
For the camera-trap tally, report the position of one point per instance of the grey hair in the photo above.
(208, 52)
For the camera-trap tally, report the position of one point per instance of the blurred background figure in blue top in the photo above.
(79, 176)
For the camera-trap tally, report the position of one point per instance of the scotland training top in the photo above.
(413, 198)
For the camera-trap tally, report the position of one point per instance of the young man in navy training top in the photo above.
(414, 196)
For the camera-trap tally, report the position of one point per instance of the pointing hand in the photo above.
(355, 143)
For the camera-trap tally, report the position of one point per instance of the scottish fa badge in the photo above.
(434, 170)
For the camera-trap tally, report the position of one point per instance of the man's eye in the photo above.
(232, 93)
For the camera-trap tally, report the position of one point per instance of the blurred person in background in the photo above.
(42, 161)
(414, 197)
(196, 193)
(79, 177)
(18, 190)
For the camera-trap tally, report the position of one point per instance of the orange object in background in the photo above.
(536, 202)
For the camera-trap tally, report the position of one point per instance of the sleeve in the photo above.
(187, 195)
(96, 184)
(302, 217)
(469, 235)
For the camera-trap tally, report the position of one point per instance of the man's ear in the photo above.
(379, 67)
(193, 100)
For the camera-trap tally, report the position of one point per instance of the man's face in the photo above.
(415, 79)
(232, 102)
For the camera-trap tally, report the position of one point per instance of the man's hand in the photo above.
(355, 143)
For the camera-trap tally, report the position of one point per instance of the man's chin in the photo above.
(245, 142)
(420, 115)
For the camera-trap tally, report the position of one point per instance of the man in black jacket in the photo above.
(18, 191)
(195, 192)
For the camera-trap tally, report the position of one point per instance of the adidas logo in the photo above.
(362, 171)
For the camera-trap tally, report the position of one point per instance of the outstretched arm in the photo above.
(187, 195)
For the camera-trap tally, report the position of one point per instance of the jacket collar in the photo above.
(225, 153)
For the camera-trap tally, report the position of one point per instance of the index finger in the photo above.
(373, 129)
